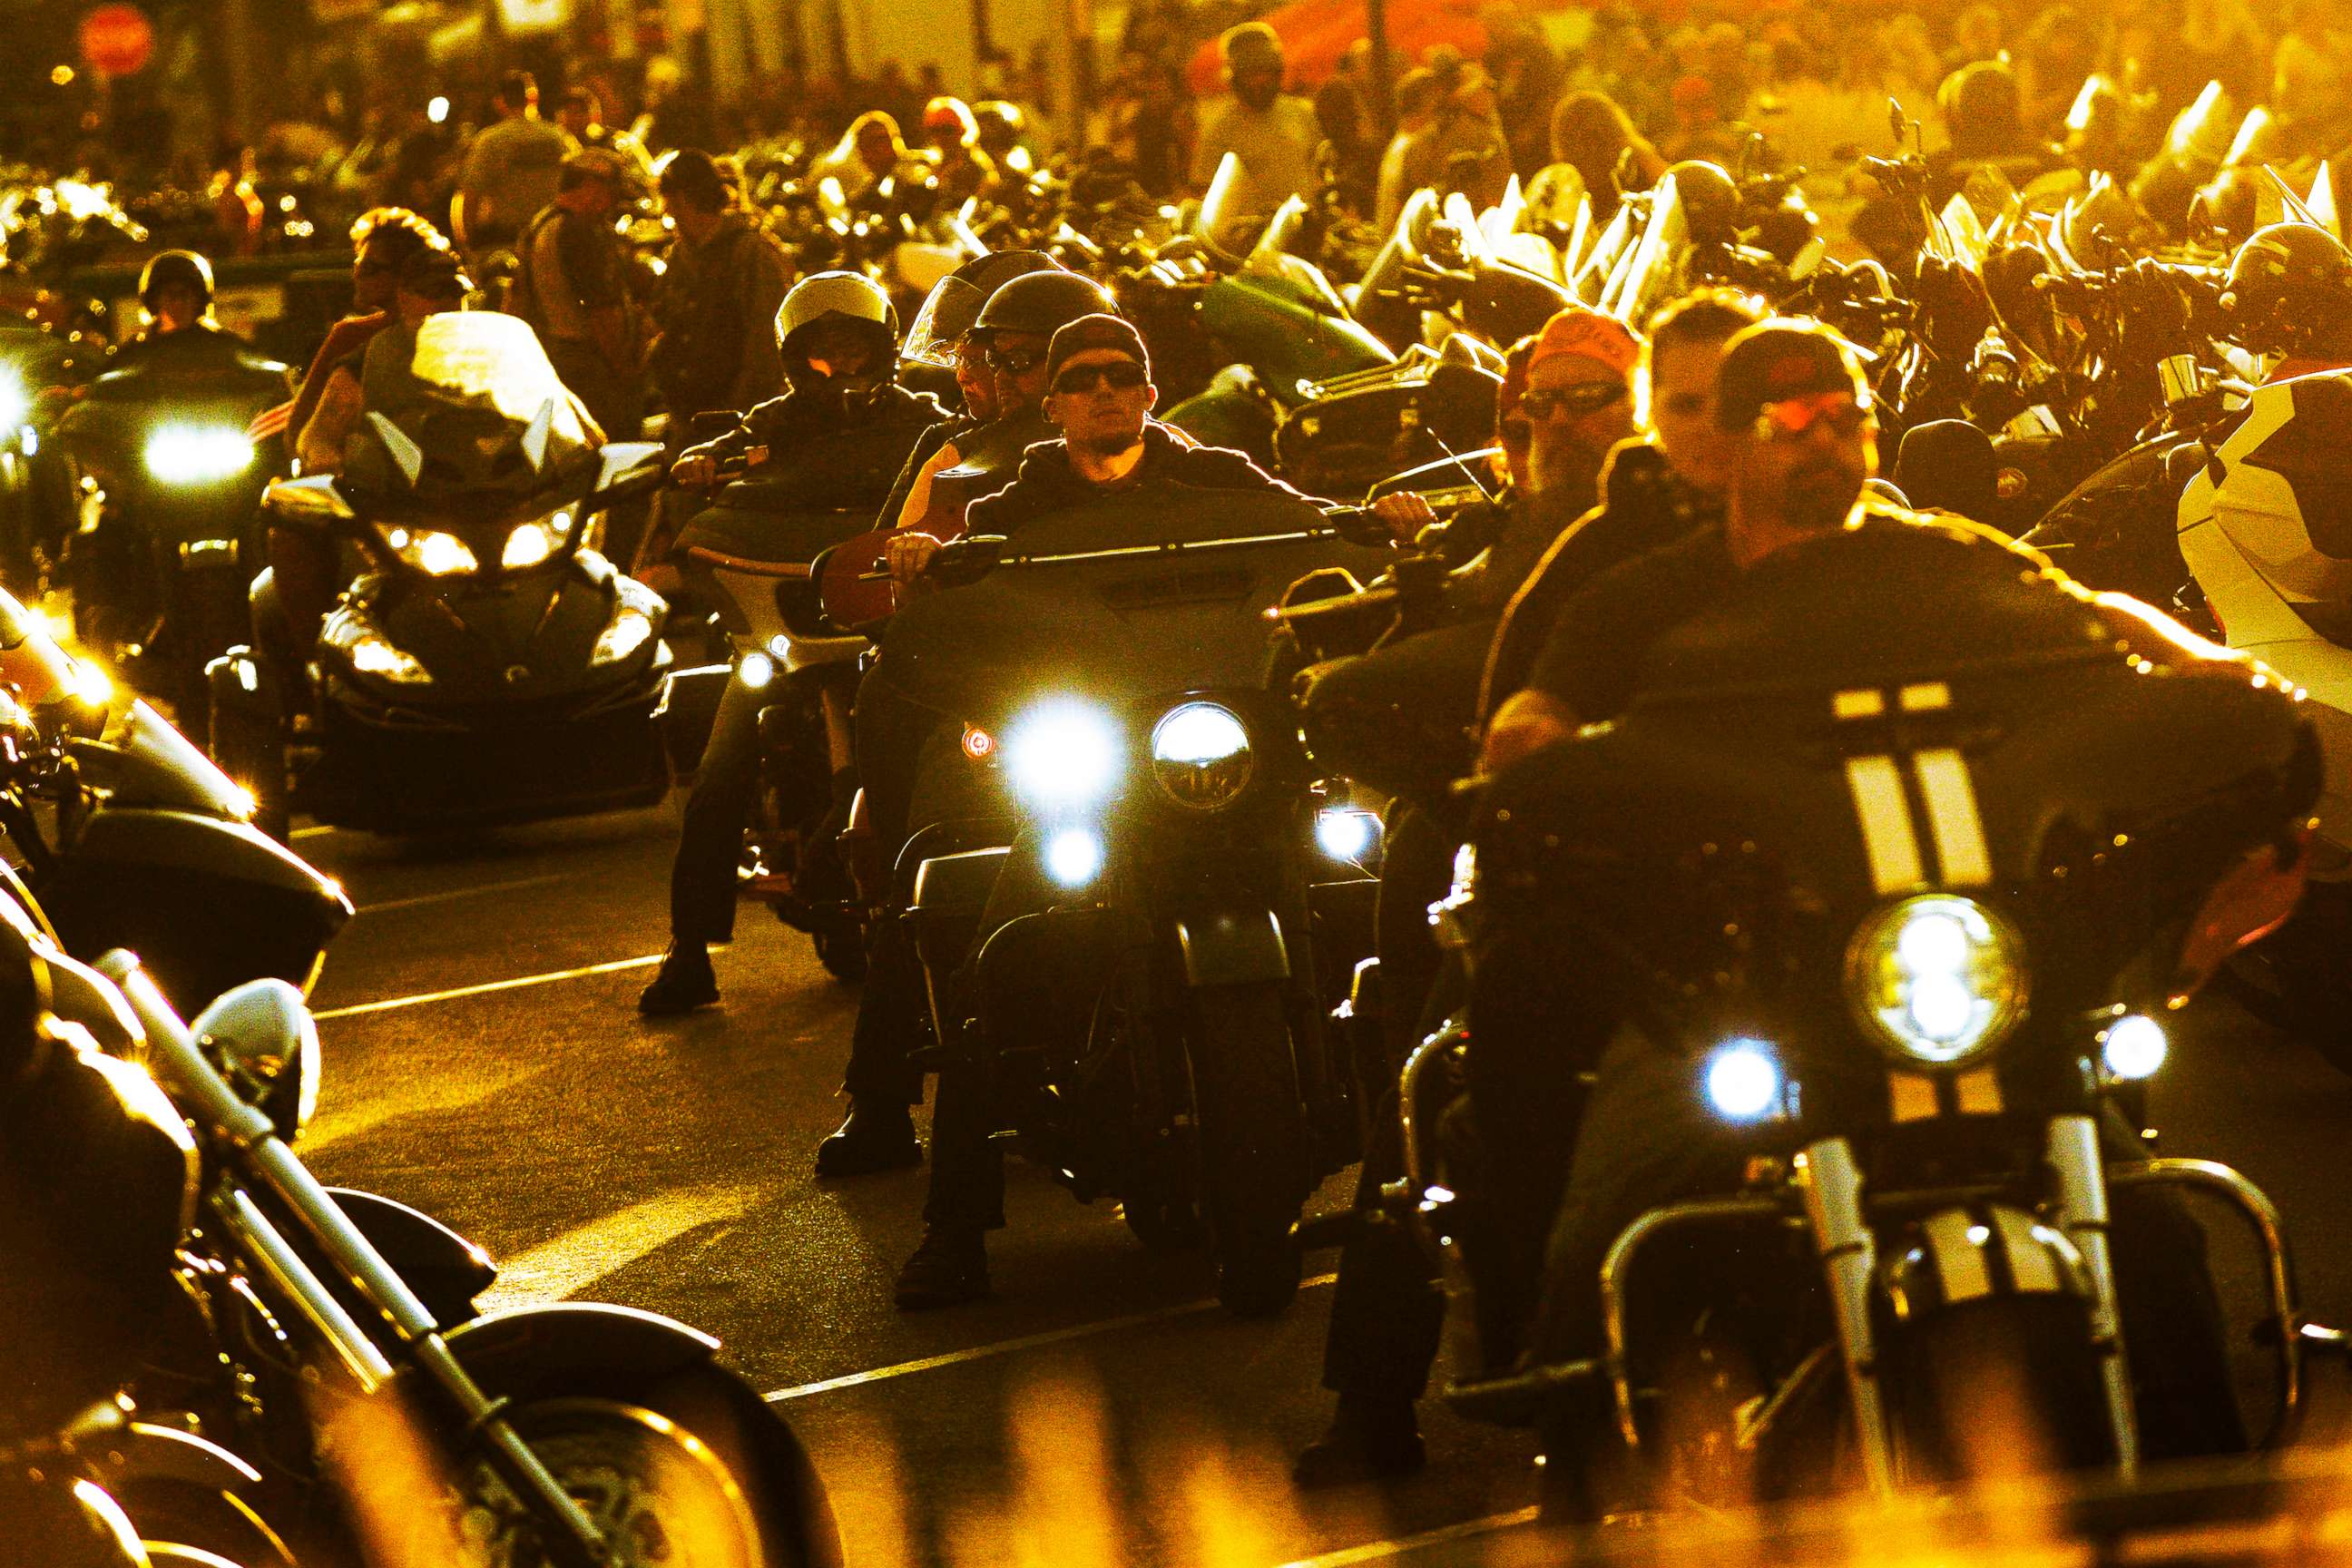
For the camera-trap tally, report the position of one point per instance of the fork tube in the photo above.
(1849, 1254)
(2081, 1175)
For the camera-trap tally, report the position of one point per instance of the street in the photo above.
(485, 1062)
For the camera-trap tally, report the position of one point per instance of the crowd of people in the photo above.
(1648, 467)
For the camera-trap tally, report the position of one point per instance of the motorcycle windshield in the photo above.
(477, 423)
(1158, 591)
(1231, 210)
(949, 311)
(1392, 267)
(1647, 271)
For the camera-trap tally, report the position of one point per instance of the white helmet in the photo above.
(850, 295)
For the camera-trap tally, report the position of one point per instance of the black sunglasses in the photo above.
(1015, 362)
(1125, 374)
(1590, 397)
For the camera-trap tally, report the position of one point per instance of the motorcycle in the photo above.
(753, 549)
(95, 1188)
(344, 1351)
(1903, 1014)
(165, 542)
(489, 666)
(125, 835)
(1128, 918)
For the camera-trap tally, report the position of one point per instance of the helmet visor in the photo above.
(948, 313)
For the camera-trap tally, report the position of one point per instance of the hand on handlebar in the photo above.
(695, 471)
(908, 555)
(1404, 514)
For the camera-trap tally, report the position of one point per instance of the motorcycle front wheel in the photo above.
(659, 1495)
(1253, 1143)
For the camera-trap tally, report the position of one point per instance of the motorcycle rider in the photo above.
(571, 286)
(1101, 396)
(1014, 332)
(1792, 397)
(1402, 720)
(176, 289)
(943, 336)
(429, 281)
(838, 335)
(1653, 492)
(303, 581)
(2288, 295)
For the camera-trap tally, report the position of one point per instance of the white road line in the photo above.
(579, 1258)
(1375, 1550)
(488, 986)
(1009, 1347)
(478, 888)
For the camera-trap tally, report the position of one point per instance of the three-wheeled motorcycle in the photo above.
(487, 664)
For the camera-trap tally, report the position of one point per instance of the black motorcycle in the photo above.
(489, 666)
(166, 482)
(123, 834)
(96, 1179)
(1128, 919)
(331, 1336)
(749, 555)
(1901, 903)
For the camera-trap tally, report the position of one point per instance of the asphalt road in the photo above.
(484, 1062)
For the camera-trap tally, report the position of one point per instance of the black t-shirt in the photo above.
(1594, 657)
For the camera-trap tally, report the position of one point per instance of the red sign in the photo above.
(117, 39)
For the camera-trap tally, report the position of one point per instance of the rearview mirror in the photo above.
(630, 470)
(314, 497)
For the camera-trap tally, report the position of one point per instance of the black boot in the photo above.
(1372, 1437)
(948, 1269)
(683, 982)
(872, 1137)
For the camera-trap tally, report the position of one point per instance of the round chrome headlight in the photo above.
(1936, 980)
(1201, 755)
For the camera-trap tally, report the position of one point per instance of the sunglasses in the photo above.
(1792, 416)
(1015, 362)
(1126, 375)
(1588, 398)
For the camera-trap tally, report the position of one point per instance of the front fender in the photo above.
(1232, 946)
(586, 1349)
(1958, 1256)
(445, 1270)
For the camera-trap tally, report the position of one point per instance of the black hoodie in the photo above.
(1048, 483)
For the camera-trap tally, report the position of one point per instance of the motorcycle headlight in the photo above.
(635, 612)
(1201, 755)
(371, 655)
(431, 552)
(14, 405)
(1936, 980)
(197, 454)
(1063, 755)
(535, 541)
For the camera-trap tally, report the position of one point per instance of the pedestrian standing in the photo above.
(513, 167)
(716, 350)
(571, 286)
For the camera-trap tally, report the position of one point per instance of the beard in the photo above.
(1819, 495)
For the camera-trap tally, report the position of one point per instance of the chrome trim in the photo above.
(257, 1240)
(2250, 1200)
(2080, 1212)
(1620, 1258)
(1830, 1183)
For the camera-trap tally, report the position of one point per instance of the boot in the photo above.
(1372, 1437)
(872, 1137)
(683, 982)
(948, 1269)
